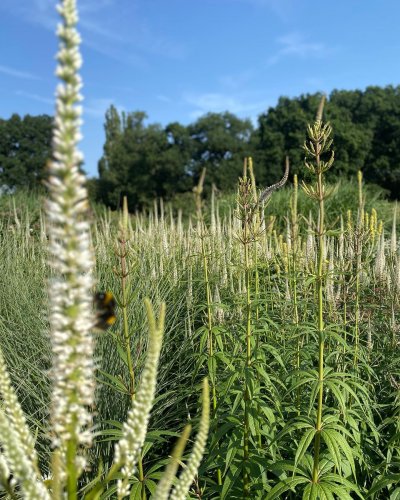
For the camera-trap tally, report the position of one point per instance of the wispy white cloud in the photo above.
(104, 28)
(113, 51)
(218, 102)
(92, 107)
(35, 97)
(97, 107)
(41, 12)
(6, 70)
(142, 39)
(236, 81)
(282, 8)
(163, 98)
(296, 45)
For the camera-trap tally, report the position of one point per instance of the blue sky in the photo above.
(178, 59)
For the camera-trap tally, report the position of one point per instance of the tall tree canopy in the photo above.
(142, 161)
(220, 143)
(145, 161)
(25, 147)
(366, 136)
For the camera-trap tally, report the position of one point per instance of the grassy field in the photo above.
(295, 322)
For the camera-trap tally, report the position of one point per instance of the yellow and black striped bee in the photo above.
(105, 306)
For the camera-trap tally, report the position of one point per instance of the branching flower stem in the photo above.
(320, 288)
(319, 143)
(294, 272)
(251, 230)
(246, 202)
(123, 239)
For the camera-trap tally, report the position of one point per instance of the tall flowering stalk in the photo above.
(251, 230)
(71, 261)
(186, 478)
(127, 450)
(18, 453)
(318, 145)
(211, 340)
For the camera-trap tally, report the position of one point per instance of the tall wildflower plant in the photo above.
(326, 431)
(71, 261)
(198, 190)
(319, 144)
(248, 205)
(123, 273)
(248, 234)
(208, 337)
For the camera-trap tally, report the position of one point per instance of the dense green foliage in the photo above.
(271, 299)
(365, 131)
(144, 162)
(148, 161)
(25, 147)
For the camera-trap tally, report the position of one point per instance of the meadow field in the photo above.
(296, 327)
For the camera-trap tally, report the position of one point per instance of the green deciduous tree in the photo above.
(221, 142)
(365, 124)
(25, 148)
(141, 161)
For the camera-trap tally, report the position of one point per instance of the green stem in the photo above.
(210, 333)
(357, 310)
(293, 272)
(141, 478)
(124, 307)
(209, 315)
(198, 190)
(344, 328)
(247, 396)
(127, 344)
(318, 426)
(127, 337)
(72, 476)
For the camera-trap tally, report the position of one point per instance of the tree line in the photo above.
(146, 161)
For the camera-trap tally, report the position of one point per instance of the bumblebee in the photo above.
(105, 306)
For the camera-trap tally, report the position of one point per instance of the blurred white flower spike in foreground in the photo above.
(71, 262)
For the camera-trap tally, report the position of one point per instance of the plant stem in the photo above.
(357, 310)
(247, 396)
(321, 339)
(72, 477)
(247, 217)
(124, 306)
(123, 239)
(198, 191)
(141, 478)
